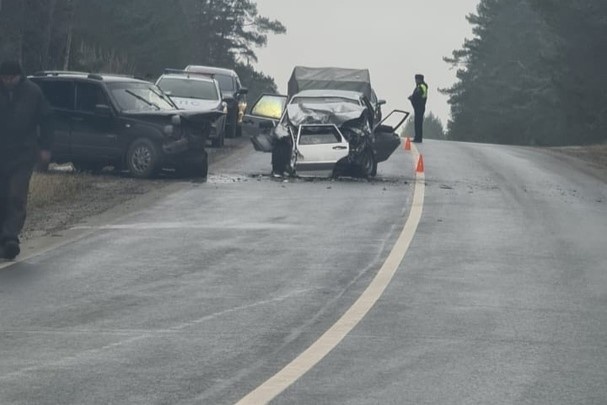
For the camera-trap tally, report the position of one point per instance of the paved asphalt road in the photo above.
(207, 293)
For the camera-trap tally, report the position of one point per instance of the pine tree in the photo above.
(504, 93)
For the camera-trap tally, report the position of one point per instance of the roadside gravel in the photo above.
(61, 198)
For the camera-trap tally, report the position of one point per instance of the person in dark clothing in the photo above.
(418, 100)
(25, 138)
(281, 157)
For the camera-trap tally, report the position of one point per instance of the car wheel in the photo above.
(195, 167)
(368, 165)
(143, 158)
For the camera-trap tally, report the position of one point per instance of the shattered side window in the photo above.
(269, 107)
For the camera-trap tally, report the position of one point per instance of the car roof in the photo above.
(351, 95)
(187, 77)
(210, 70)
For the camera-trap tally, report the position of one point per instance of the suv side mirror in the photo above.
(381, 102)
(103, 110)
(243, 90)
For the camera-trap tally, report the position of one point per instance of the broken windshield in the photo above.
(320, 110)
(139, 97)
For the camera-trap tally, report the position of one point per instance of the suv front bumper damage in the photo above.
(176, 147)
(189, 131)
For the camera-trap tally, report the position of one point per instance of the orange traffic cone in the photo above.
(420, 164)
(408, 144)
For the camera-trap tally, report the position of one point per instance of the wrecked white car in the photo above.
(322, 130)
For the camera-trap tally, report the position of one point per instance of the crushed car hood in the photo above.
(328, 113)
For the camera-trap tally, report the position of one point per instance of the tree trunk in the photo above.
(70, 34)
(50, 23)
(68, 48)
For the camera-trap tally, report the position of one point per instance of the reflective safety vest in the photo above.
(420, 96)
(424, 90)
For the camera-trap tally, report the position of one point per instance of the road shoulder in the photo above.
(104, 199)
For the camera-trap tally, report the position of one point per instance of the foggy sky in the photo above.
(394, 39)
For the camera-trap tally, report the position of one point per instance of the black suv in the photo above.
(103, 120)
(233, 93)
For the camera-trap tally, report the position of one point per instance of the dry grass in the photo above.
(54, 187)
(595, 154)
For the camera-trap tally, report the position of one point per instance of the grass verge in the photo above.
(52, 187)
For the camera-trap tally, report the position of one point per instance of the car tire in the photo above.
(368, 164)
(143, 158)
(197, 168)
(340, 169)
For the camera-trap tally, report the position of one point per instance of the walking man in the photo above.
(418, 100)
(25, 138)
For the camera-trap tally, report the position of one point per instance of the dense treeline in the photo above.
(139, 37)
(533, 74)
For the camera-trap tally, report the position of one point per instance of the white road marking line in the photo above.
(24, 257)
(332, 337)
(6, 264)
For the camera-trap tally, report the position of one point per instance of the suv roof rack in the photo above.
(58, 72)
(88, 75)
(188, 73)
(94, 76)
(210, 70)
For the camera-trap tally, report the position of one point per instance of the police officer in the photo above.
(25, 138)
(418, 100)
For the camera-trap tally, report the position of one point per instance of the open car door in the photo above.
(386, 134)
(264, 115)
(320, 147)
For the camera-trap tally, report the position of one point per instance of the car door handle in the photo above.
(340, 147)
(77, 119)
